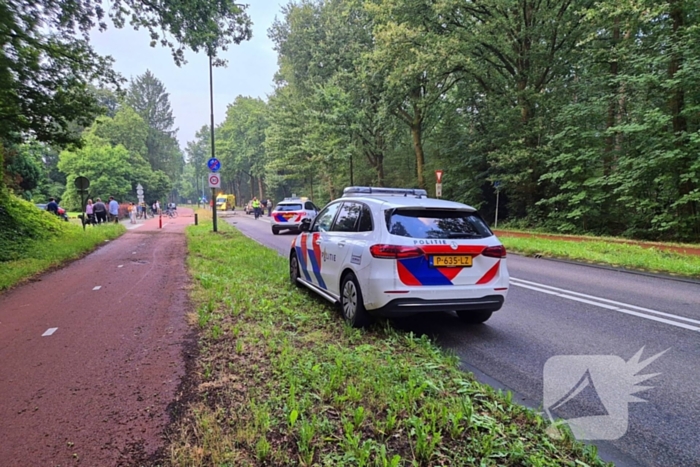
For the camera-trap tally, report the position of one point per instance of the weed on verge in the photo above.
(282, 381)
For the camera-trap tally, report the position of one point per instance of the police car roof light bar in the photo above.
(368, 190)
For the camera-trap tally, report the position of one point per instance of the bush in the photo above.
(22, 222)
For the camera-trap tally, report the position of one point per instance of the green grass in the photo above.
(280, 380)
(608, 253)
(38, 255)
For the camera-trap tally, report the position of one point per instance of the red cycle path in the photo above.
(96, 391)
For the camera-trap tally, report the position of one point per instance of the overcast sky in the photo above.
(251, 67)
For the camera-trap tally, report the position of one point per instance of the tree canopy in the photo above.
(583, 111)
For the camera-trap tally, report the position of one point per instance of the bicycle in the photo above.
(172, 213)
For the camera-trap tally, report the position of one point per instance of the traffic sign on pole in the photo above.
(214, 164)
(438, 190)
(214, 181)
(438, 175)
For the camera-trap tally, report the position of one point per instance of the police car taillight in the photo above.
(495, 251)
(395, 251)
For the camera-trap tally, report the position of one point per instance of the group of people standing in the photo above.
(260, 206)
(99, 212)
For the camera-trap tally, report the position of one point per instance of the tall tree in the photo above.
(47, 63)
(148, 97)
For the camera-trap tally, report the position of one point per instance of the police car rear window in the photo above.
(288, 207)
(436, 223)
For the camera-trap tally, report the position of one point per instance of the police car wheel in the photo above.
(474, 317)
(275, 231)
(294, 269)
(351, 304)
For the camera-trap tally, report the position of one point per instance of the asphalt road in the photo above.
(561, 309)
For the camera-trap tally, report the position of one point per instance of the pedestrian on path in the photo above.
(113, 210)
(100, 211)
(269, 208)
(89, 212)
(132, 213)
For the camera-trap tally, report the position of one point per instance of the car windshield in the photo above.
(436, 223)
(288, 207)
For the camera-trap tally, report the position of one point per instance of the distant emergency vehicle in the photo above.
(225, 202)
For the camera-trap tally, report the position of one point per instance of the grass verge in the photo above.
(280, 380)
(608, 253)
(70, 242)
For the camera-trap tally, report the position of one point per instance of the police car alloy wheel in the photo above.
(294, 269)
(351, 303)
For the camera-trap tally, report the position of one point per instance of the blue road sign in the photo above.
(496, 184)
(214, 164)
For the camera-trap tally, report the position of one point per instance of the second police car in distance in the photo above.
(289, 213)
(395, 252)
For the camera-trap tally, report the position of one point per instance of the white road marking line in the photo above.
(133, 252)
(608, 304)
(97, 287)
(134, 227)
(49, 331)
(120, 266)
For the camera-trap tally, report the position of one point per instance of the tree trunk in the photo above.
(677, 101)
(417, 136)
(260, 188)
(679, 122)
(379, 157)
(612, 105)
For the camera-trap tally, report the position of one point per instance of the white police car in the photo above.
(289, 213)
(395, 252)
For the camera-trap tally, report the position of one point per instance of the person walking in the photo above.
(113, 209)
(89, 212)
(269, 208)
(256, 207)
(132, 213)
(100, 211)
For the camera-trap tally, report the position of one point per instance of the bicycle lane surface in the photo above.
(92, 354)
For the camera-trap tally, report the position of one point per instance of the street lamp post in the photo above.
(211, 99)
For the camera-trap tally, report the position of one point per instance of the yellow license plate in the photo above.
(451, 261)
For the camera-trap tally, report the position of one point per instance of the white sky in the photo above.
(250, 70)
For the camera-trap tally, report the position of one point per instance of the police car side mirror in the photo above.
(305, 225)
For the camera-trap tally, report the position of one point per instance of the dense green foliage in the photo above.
(22, 223)
(48, 74)
(585, 111)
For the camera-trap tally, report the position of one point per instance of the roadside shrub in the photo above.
(21, 222)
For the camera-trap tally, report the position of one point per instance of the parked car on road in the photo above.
(289, 213)
(396, 252)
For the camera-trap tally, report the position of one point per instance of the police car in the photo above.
(395, 252)
(289, 213)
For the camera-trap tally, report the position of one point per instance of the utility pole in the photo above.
(211, 99)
